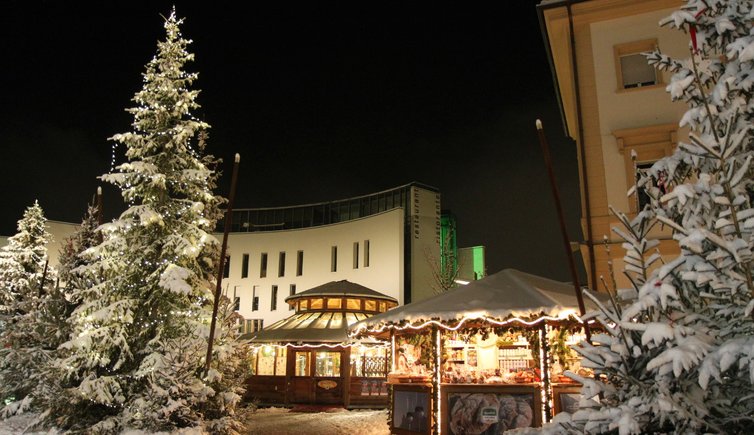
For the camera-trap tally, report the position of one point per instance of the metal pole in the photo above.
(221, 265)
(100, 211)
(561, 218)
(44, 277)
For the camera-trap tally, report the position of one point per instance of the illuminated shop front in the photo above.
(483, 358)
(308, 358)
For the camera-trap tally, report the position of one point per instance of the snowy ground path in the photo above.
(278, 421)
(281, 422)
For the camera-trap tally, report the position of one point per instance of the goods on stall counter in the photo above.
(563, 379)
(472, 375)
(407, 361)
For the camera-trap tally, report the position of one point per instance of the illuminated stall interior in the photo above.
(489, 356)
(308, 358)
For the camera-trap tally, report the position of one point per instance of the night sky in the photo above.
(323, 101)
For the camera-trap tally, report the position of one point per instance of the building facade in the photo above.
(614, 106)
(383, 241)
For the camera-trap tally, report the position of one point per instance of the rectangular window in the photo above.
(274, 298)
(245, 266)
(641, 147)
(631, 67)
(263, 266)
(366, 253)
(302, 363)
(327, 364)
(292, 292)
(334, 259)
(281, 264)
(226, 267)
(254, 299)
(300, 263)
(355, 255)
(236, 303)
(353, 304)
(660, 181)
(254, 325)
(370, 305)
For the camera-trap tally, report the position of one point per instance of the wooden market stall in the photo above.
(308, 357)
(481, 358)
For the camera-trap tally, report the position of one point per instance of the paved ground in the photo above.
(280, 421)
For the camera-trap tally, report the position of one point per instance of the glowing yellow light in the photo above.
(563, 315)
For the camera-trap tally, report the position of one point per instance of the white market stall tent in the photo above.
(486, 356)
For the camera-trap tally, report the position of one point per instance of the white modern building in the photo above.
(384, 241)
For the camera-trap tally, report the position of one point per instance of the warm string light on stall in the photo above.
(566, 314)
(438, 381)
(549, 392)
(256, 347)
(542, 368)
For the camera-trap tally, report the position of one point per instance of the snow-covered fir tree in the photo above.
(74, 274)
(678, 355)
(135, 358)
(71, 259)
(26, 282)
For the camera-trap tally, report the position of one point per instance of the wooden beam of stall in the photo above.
(563, 231)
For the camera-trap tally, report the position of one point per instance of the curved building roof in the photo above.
(323, 213)
(324, 325)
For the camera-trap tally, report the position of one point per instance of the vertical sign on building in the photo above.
(415, 213)
(438, 224)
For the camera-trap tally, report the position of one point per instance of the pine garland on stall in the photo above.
(26, 285)
(135, 357)
(678, 355)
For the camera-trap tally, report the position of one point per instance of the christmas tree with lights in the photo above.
(27, 343)
(135, 358)
(72, 272)
(678, 352)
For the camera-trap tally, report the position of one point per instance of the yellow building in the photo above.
(613, 106)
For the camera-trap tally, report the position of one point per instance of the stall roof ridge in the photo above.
(508, 293)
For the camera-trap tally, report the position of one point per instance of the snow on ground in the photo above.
(17, 424)
(282, 422)
(278, 421)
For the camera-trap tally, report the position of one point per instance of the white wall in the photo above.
(634, 108)
(59, 231)
(385, 232)
(425, 241)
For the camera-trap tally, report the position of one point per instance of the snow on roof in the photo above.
(508, 293)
